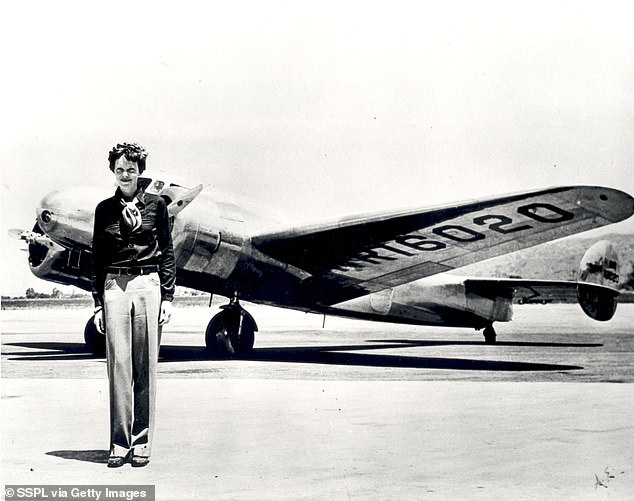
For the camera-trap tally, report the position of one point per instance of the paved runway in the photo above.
(352, 411)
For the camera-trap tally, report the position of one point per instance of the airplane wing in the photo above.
(533, 291)
(357, 255)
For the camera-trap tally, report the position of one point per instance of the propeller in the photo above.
(184, 200)
(30, 237)
(18, 234)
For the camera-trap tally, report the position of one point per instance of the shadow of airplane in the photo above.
(326, 355)
(52, 351)
(523, 344)
(90, 456)
(334, 355)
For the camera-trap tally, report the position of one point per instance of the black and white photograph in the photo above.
(317, 250)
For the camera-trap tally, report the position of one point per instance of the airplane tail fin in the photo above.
(599, 267)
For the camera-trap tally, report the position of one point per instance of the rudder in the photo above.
(599, 266)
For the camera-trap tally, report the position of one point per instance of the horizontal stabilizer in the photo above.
(533, 291)
(596, 289)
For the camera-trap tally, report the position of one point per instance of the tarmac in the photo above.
(352, 411)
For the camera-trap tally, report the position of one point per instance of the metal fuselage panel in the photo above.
(207, 248)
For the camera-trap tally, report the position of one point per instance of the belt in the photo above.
(132, 270)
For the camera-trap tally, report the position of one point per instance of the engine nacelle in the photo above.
(50, 261)
(599, 266)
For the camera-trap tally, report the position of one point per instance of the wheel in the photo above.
(218, 340)
(489, 335)
(95, 341)
(225, 337)
(246, 340)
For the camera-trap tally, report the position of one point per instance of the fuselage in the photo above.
(213, 250)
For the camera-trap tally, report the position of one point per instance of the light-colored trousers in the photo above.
(132, 307)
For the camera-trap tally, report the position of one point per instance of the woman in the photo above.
(133, 285)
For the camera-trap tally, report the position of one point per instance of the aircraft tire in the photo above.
(222, 339)
(489, 335)
(95, 341)
(246, 340)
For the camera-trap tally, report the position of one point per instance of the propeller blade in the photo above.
(184, 200)
(30, 237)
(42, 240)
(18, 234)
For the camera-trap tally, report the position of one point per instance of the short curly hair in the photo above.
(132, 151)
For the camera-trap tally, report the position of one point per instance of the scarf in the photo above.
(131, 214)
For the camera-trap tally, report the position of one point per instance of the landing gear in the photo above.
(231, 333)
(489, 334)
(95, 340)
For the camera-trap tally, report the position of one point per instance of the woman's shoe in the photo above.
(139, 461)
(115, 461)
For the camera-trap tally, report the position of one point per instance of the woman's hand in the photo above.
(99, 320)
(166, 312)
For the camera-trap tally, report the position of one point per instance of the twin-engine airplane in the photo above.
(388, 266)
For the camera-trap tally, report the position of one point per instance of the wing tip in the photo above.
(613, 204)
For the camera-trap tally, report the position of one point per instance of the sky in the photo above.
(319, 108)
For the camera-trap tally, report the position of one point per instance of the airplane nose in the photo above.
(67, 215)
(47, 211)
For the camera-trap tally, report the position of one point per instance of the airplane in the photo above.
(388, 266)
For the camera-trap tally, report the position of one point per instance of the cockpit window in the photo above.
(157, 186)
(162, 186)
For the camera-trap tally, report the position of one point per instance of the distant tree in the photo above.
(56, 293)
(31, 293)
